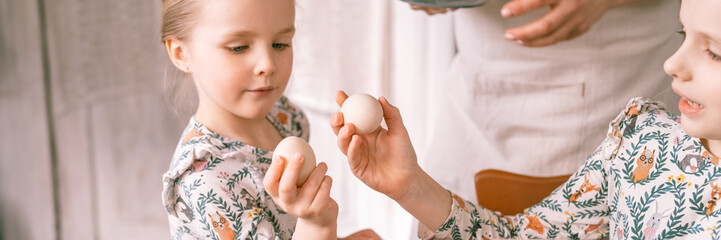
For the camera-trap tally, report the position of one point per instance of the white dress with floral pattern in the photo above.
(214, 186)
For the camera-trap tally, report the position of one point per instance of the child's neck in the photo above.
(713, 146)
(257, 132)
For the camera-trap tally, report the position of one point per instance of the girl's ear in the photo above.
(177, 55)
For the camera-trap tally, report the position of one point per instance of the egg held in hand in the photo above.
(364, 111)
(288, 147)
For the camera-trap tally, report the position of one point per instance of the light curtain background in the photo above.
(378, 47)
(88, 131)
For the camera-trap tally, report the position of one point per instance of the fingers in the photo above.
(344, 137)
(355, 159)
(566, 32)
(273, 175)
(287, 189)
(392, 115)
(336, 122)
(520, 7)
(310, 188)
(322, 197)
(547, 25)
(340, 97)
(431, 10)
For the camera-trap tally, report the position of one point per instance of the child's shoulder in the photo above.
(642, 115)
(289, 119)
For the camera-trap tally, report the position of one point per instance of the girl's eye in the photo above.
(238, 49)
(713, 55)
(280, 46)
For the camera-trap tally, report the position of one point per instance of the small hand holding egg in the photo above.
(363, 111)
(288, 147)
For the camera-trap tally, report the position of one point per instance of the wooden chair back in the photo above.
(511, 193)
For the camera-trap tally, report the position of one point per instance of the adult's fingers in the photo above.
(561, 34)
(519, 7)
(544, 26)
(273, 175)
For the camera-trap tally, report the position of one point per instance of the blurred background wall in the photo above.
(87, 130)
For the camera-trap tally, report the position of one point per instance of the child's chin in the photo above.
(694, 129)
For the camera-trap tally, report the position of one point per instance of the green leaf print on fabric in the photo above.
(639, 208)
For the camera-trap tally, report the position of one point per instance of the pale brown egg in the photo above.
(288, 147)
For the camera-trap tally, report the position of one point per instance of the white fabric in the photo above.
(516, 108)
(380, 47)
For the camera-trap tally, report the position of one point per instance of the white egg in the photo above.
(288, 147)
(364, 111)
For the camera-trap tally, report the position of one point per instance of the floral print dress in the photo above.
(647, 180)
(214, 187)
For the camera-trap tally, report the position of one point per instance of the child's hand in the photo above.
(384, 159)
(317, 212)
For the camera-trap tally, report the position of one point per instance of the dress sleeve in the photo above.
(578, 209)
(227, 205)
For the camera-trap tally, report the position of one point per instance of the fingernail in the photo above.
(506, 12)
(509, 37)
(519, 42)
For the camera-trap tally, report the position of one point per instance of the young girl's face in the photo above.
(240, 56)
(696, 69)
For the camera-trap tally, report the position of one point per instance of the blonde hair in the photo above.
(178, 17)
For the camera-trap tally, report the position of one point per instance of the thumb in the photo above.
(392, 115)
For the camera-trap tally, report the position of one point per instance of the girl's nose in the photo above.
(265, 64)
(676, 66)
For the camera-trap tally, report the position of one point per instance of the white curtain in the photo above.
(380, 47)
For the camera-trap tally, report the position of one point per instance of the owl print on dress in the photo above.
(644, 164)
(222, 227)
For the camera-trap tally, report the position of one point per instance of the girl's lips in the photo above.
(688, 107)
(264, 91)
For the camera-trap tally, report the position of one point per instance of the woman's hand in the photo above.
(566, 20)
(431, 10)
(317, 212)
(383, 159)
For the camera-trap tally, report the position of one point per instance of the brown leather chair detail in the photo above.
(511, 193)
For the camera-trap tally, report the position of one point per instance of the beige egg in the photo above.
(288, 147)
(364, 111)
